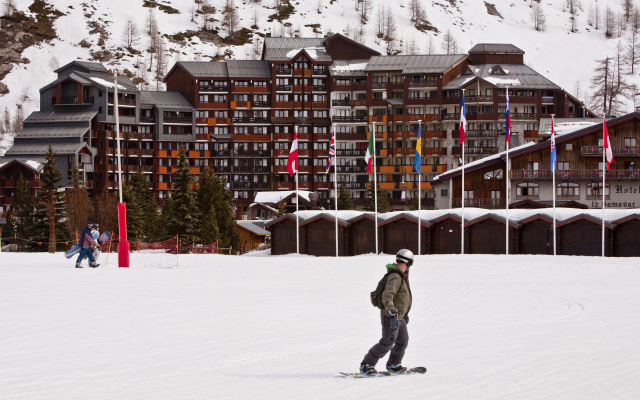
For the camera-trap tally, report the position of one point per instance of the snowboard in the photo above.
(380, 374)
(76, 248)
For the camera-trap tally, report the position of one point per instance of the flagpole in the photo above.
(295, 129)
(375, 182)
(462, 219)
(507, 173)
(553, 187)
(419, 188)
(335, 178)
(604, 162)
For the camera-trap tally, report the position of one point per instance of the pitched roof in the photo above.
(248, 69)
(348, 68)
(495, 48)
(418, 64)
(56, 130)
(162, 99)
(38, 117)
(89, 66)
(40, 149)
(203, 69)
(284, 49)
(256, 227)
(516, 76)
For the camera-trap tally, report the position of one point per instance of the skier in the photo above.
(86, 240)
(396, 298)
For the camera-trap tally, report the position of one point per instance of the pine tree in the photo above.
(142, 209)
(229, 234)
(383, 202)
(49, 211)
(208, 229)
(344, 199)
(183, 217)
(20, 222)
(282, 208)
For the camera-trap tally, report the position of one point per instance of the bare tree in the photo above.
(206, 10)
(621, 25)
(597, 17)
(130, 35)
(365, 8)
(391, 32)
(632, 52)
(591, 15)
(609, 22)
(381, 19)
(161, 61)
(152, 23)
(609, 87)
(449, 43)
(319, 7)
(431, 47)
(412, 47)
(572, 6)
(230, 17)
(627, 7)
(538, 18)
(8, 7)
(635, 20)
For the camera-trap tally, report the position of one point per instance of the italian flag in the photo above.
(368, 157)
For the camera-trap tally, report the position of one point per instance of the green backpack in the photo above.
(376, 295)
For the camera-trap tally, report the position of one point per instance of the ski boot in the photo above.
(78, 265)
(367, 369)
(396, 368)
(94, 265)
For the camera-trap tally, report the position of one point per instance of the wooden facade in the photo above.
(440, 234)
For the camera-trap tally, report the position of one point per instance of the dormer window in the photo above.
(497, 70)
(467, 71)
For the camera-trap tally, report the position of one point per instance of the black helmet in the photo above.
(405, 256)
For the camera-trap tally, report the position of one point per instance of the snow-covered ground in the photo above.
(281, 327)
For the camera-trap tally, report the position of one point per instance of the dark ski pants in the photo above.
(396, 341)
(86, 252)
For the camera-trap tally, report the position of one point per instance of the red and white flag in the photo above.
(607, 146)
(292, 162)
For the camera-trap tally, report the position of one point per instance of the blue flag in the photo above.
(418, 161)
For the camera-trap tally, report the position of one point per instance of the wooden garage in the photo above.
(626, 239)
(536, 235)
(401, 232)
(445, 235)
(487, 235)
(283, 235)
(320, 235)
(362, 235)
(582, 236)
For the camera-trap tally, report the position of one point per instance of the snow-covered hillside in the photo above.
(282, 327)
(566, 58)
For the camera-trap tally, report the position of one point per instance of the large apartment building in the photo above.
(240, 116)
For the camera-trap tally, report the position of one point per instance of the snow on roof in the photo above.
(350, 67)
(501, 81)
(106, 83)
(311, 51)
(276, 196)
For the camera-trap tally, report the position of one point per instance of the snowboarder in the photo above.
(86, 240)
(396, 298)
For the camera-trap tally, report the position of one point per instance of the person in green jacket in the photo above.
(396, 298)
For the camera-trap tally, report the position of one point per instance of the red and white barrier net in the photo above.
(165, 254)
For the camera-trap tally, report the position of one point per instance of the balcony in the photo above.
(350, 118)
(147, 119)
(66, 100)
(178, 120)
(284, 88)
(451, 116)
(350, 152)
(596, 151)
(321, 88)
(481, 133)
(479, 99)
(214, 88)
(481, 202)
(424, 83)
(214, 105)
(283, 71)
(251, 120)
(260, 104)
(481, 150)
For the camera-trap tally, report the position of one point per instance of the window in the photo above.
(594, 190)
(282, 97)
(496, 174)
(568, 190)
(569, 147)
(342, 82)
(527, 190)
(629, 142)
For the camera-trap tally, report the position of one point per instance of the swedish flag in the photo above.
(418, 160)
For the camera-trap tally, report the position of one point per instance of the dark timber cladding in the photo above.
(582, 236)
(536, 235)
(532, 233)
(627, 237)
(487, 236)
(490, 53)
